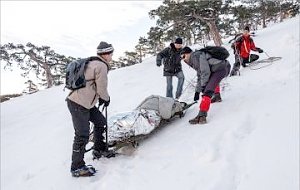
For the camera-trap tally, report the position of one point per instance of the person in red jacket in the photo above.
(242, 47)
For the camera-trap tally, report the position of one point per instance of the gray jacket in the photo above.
(205, 65)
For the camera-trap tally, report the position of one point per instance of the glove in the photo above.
(158, 64)
(196, 96)
(106, 103)
(260, 50)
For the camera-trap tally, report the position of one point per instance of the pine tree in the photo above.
(48, 66)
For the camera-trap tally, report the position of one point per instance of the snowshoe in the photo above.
(98, 154)
(84, 171)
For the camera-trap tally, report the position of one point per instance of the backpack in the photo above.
(216, 52)
(75, 78)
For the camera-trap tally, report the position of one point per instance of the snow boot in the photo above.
(97, 154)
(84, 171)
(216, 98)
(199, 119)
(234, 73)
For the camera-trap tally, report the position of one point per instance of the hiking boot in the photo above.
(234, 73)
(97, 154)
(199, 119)
(84, 171)
(216, 98)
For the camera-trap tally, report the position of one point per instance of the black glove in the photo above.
(158, 64)
(106, 103)
(260, 50)
(196, 96)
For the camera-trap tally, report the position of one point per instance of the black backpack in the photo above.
(75, 78)
(217, 52)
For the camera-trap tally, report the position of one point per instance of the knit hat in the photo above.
(186, 50)
(178, 41)
(104, 48)
(247, 28)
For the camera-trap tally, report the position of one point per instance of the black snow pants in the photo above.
(81, 118)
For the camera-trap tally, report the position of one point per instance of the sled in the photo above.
(259, 64)
(134, 141)
(130, 128)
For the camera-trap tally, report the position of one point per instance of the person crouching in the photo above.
(210, 72)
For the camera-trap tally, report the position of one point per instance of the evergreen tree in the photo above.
(142, 48)
(48, 66)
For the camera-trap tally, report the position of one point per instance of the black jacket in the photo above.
(171, 60)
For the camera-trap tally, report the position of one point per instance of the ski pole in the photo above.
(106, 129)
(190, 83)
(267, 54)
(99, 104)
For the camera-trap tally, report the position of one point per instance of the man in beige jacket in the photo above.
(81, 104)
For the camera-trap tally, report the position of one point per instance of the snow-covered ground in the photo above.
(251, 141)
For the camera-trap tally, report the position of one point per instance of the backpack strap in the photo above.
(96, 58)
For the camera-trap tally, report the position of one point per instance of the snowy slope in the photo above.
(251, 141)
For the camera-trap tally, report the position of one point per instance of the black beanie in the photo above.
(104, 48)
(178, 41)
(186, 50)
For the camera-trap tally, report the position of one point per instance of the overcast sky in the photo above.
(75, 28)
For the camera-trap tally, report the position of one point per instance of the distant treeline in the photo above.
(194, 21)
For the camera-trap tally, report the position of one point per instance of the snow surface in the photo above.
(251, 141)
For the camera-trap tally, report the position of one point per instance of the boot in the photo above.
(235, 70)
(97, 154)
(216, 98)
(199, 119)
(84, 171)
(233, 73)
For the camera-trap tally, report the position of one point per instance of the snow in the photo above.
(251, 140)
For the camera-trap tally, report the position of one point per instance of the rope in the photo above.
(190, 83)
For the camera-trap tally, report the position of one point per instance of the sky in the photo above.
(251, 140)
(73, 28)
